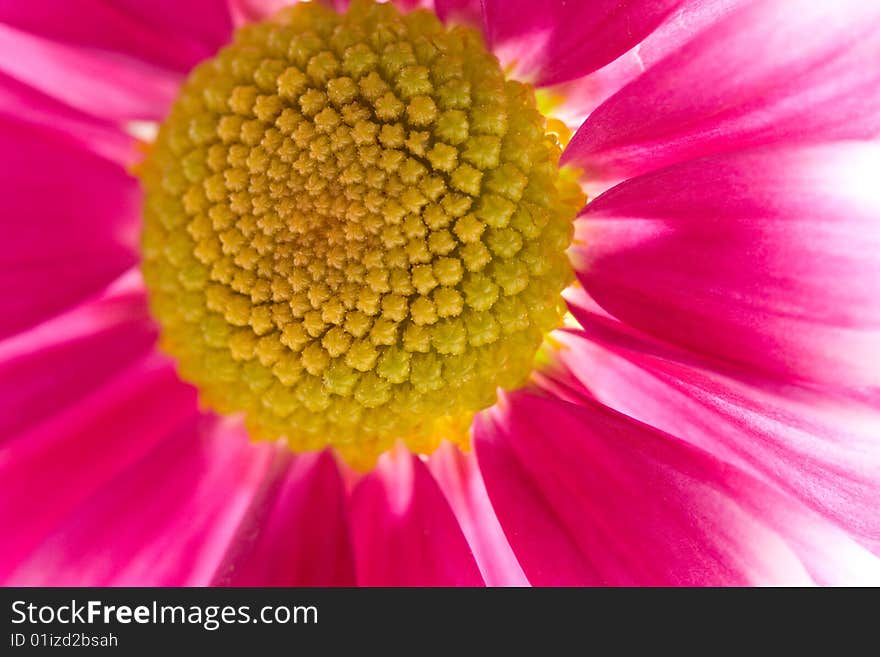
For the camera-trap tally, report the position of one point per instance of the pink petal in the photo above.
(819, 449)
(409, 5)
(296, 532)
(166, 521)
(404, 532)
(578, 98)
(21, 103)
(54, 365)
(773, 71)
(556, 41)
(64, 459)
(174, 35)
(72, 228)
(459, 478)
(205, 23)
(342, 6)
(589, 496)
(105, 85)
(250, 11)
(460, 11)
(766, 260)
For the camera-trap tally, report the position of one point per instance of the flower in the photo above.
(707, 415)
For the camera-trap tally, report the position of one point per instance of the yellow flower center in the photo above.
(355, 229)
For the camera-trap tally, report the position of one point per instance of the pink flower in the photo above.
(711, 418)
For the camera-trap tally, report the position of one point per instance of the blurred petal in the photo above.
(458, 475)
(166, 521)
(576, 99)
(460, 11)
(250, 11)
(555, 41)
(588, 496)
(205, 23)
(175, 35)
(102, 84)
(404, 532)
(295, 532)
(773, 71)
(57, 363)
(767, 260)
(23, 104)
(821, 450)
(58, 463)
(71, 228)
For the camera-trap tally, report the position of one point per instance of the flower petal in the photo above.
(52, 366)
(461, 11)
(767, 260)
(772, 71)
(458, 476)
(555, 41)
(21, 103)
(60, 462)
(404, 532)
(823, 451)
(166, 521)
(589, 496)
(169, 34)
(110, 87)
(72, 224)
(250, 11)
(575, 100)
(205, 23)
(296, 532)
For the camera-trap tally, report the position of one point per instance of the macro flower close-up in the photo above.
(440, 293)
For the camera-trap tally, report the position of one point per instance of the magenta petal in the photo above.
(822, 451)
(407, 5)
(72, 224)
(460, 11)
(21, 103)
(589, 496)
(205, 23)
(58, 463)
(404, 532)
(166, 521)
(578, 98)
(250, 11)
(458, 475)
(52, 366)
(555, 41)
(773, 71)
(110, 87)
(170, 34)
(295, 532)
(767, 260)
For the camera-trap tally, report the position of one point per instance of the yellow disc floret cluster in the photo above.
(355, 229)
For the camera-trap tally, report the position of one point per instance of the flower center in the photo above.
(355, 229)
